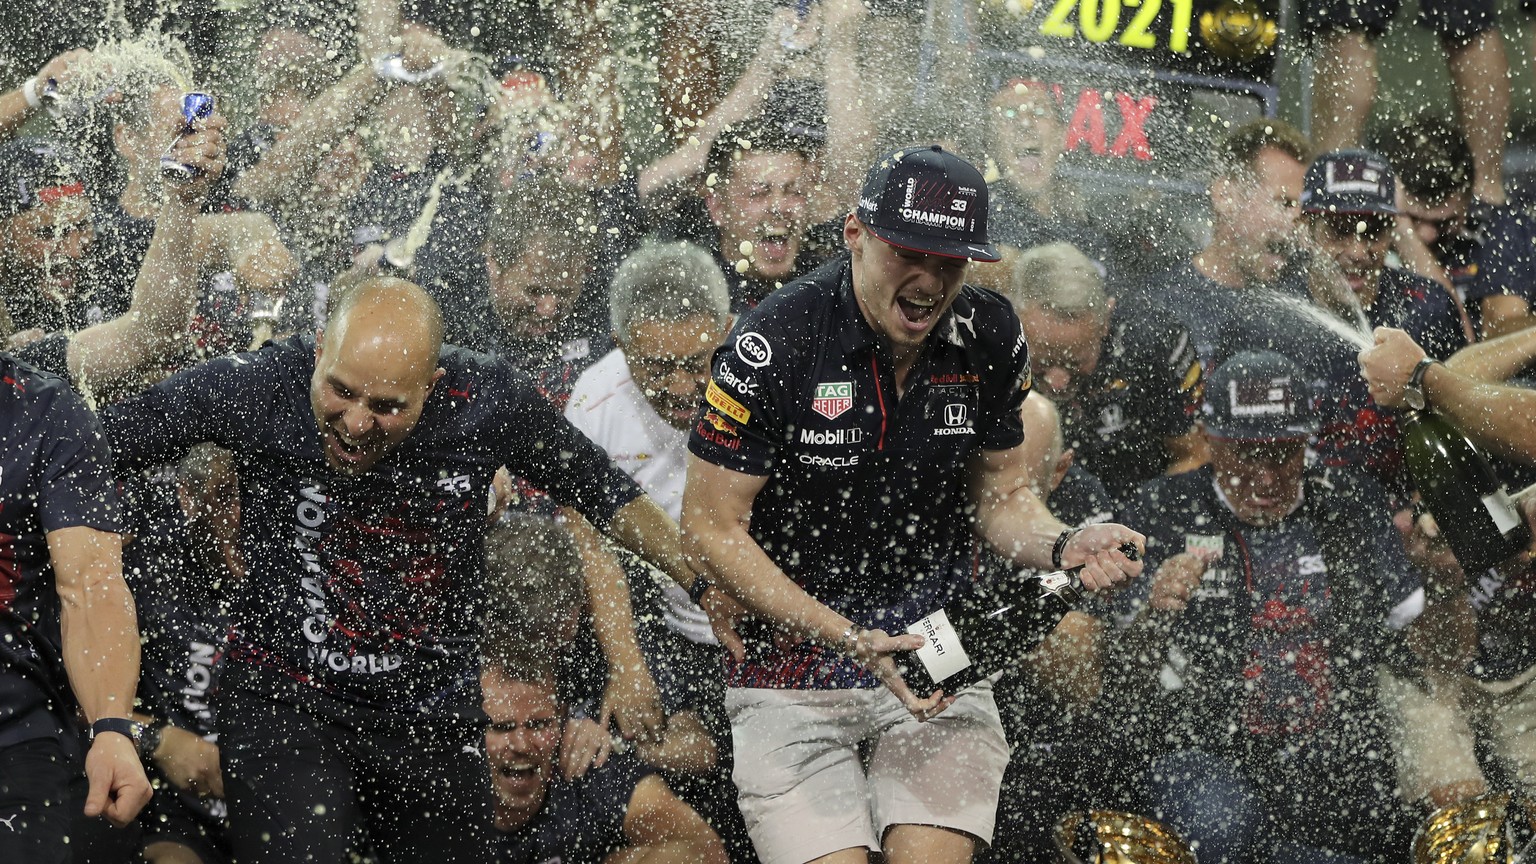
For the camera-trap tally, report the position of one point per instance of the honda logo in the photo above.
(954, 414)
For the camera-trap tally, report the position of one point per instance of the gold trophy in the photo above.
(1476, 831)
(1112, 837)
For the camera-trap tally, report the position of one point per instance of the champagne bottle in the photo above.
(1474, 513)
(977, 635)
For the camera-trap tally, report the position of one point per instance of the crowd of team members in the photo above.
(1300, 675)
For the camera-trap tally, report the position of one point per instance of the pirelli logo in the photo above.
(723, 401)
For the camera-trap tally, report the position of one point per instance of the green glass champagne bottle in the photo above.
(1472, 509)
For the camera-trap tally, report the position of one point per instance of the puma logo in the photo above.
(954, 327)
(8, 820)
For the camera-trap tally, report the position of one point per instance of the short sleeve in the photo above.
(739, 424)
(74, 470)
(534, 440)
(1006, 382)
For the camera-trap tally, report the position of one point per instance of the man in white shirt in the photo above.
(669, 306)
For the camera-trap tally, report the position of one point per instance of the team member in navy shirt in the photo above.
(68, 641)
(350, 703)
(546, 816)
(865, 417)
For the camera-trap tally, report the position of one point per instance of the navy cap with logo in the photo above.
(928, 200)
(1258, 396)
(34, 171)
(1350, 181)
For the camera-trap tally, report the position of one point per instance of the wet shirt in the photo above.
(1353, 429)
(865, 503)
(183, 628)
(365, 588)
(582, 820)
(55, 473)
(1144, 389)
(1505, 606)
(1496, 256)
(1256, 646)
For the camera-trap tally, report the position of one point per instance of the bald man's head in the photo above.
(375, 366)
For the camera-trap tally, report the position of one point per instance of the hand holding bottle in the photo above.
(1387, 366)
(1101, 553)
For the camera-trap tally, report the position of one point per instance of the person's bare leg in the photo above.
(1480, 77)
(927, 844)
(854, 855)
(1343, 89)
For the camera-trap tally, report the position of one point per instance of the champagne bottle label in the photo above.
(1502, 510)
(943, 655)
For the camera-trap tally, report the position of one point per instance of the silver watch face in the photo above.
(1414, 396)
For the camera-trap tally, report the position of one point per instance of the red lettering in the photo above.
(1088, 123)
(1133, 119)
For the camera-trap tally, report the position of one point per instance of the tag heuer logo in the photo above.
(833, 399)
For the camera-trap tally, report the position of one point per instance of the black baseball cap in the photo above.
(1354, 182)
(34, 171)
(1258, 396)
(928, 200)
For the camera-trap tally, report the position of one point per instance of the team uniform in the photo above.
(352, 661)
(183, 625)
(1495, 256)
(1275, 659)
(581, 820)
(55, 473)
(865, 507)
(1144, 390)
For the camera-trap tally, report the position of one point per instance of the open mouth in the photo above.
(346, 448)
(916, 312)
(772, 243)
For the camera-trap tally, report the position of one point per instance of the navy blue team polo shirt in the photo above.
(865, 504)
(367, 589)
(55, 473)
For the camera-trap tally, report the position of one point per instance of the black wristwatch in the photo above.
(1413, 393)
(1060, 546)
(121, 725)
(149, 739)
(698, 589)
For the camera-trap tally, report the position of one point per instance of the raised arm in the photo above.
(1499, 416)
(285, 170)
(744, 99)
(111, 355)
(1497, 359)
(20, 105)
(101, 656)
(850, 127)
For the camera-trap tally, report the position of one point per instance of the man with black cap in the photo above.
(860, 423)
(1275, 587)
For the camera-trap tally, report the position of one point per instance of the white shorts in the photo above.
(1434, 732)
(806, 792)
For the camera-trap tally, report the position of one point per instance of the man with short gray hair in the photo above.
(1125, 380)
(669, 306)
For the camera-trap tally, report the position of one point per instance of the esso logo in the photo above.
(753, 349)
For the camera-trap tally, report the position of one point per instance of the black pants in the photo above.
(42, 791)
(305, 789)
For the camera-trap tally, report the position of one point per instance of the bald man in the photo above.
(349, 713)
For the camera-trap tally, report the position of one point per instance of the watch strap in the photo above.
(1060, 546)
(121, 725)
(698, 589)
(1417, 378)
